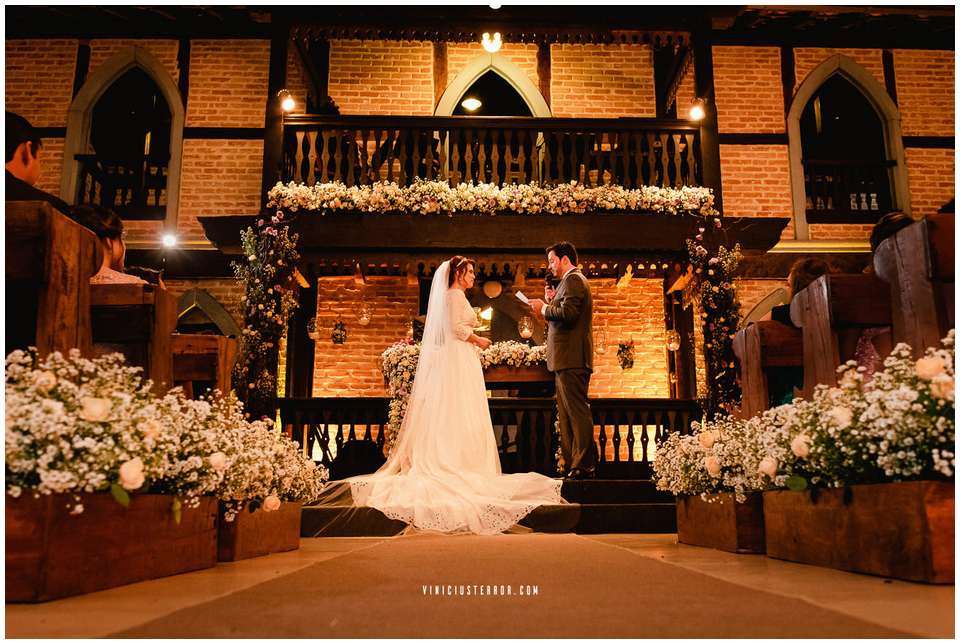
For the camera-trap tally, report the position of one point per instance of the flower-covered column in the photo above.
(268, 275)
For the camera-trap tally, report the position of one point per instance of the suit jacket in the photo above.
(570, 329)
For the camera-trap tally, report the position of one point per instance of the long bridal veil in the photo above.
(443, 472)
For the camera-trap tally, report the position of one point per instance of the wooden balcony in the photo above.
(136, 188)
(847, 191)
(359, 150)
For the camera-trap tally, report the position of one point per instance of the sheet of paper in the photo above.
(523, 298)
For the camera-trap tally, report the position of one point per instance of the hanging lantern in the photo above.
(313, 331)
(673, 340)
(525, 327)
(364, 313)
(600, 341)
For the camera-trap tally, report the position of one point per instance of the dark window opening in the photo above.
(846, 172)
(497, 98)
(130, 137)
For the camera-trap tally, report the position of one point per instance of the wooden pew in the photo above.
(759, 347)
(918, 264)
(137, 320)
(832, 312)
(50, 259)
(200, 358)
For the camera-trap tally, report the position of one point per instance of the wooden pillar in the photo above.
(682, 362)
(300, 348)
(709, 129)
(273, 121)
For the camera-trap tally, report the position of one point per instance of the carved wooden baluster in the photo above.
(325, 447)
(650, 158)
(338, 155)
(298, 156)
(638, 158)
(482, 175)
(324, 156)
(602, 441)
(403, 142)
(444, 144)
(664, 138)
(545, 159)
(416, 155)
(428, 156)
(626, 179)
(562, 176)
(507, 156)
(631, 439)
(495, 157)
(522, 154)
(468, 155)
(455, 136)
(390, 153)
(376, 162)
(690, 176)
(615, 150)
(598, 155)
(677, 161)
(351, 142)
(364, 157)
(585, 162)
(616, 437)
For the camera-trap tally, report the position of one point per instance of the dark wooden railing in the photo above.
(849, 191)
(136, 188)
(627, 431)
(359, 150)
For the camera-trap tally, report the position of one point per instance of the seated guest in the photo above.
(781, 381)
(109, 228)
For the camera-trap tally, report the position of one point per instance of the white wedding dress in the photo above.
(444, 471)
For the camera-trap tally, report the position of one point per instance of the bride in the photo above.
(444, 471)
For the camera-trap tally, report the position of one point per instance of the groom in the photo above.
(569, 311)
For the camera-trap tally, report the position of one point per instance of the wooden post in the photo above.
(709, 129)
(273, 121)
(300, 348)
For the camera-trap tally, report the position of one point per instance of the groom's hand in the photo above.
(536, 306)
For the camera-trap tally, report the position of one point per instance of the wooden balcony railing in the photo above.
(136, 188)
(847, 191)
(359, 150)
(627, 431)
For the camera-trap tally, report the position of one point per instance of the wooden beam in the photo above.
(544, 70)
(709, 128)
(315, 61)
(273, 121)
(439, 70)
(667, 94)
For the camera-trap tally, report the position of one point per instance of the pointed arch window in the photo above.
(846, 172)
(130, 141)
(497, 97)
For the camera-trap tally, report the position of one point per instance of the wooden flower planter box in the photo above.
(254, 534)
(723, 524)
(508, 374)
(51, 553)
(900, 530)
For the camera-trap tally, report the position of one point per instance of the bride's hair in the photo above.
(458, 266)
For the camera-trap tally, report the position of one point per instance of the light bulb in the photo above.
(169, 240)
(696, 110)
(491, 45)
(286, 100)
(471, 104)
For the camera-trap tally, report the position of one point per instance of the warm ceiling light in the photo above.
(495, 6)
(471, 104)
(169, 240)
(697, 111)
(492, 46)
(286, 100)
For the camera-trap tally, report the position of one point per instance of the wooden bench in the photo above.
(50, 259)
(760, 347)
(832, 312)
(918, 264)
(202, 361)
(138, 321)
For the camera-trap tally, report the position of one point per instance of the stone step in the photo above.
(586, 518)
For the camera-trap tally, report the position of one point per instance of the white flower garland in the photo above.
(898, 426)
(399, 367)
(430, 197)
(79, 425)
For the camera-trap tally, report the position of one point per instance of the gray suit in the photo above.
(570, 357)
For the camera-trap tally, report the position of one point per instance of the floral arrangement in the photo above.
(399, 367)
(720, 309)
(89, 425)
(898, 426)
(268, 276)
(431, 197)
(625, 355)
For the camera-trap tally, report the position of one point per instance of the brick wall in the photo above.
(925, 91)
(228, 83)
(807, 58)
(748, 89)
(459, 55)
(39, 80)
(353, 368)
(602, 81)
(756, 182)
(297, 80)
(219, 178)
(52, 156)
(931, 176)
(382, 77)
(164, 50)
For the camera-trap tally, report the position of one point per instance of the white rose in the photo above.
(928, 368)
(800, 445)
(712, 465)
(218, 461)
(768, 466)
(841, 416)
(95, 409)
(706, 439)
(131, 474)
(152, 428)
(942, 387)
(271, 503)
(44, 381)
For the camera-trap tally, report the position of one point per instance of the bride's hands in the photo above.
(483, 343)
